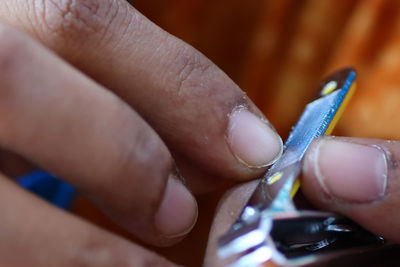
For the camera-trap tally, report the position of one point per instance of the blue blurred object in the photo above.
(49, 187)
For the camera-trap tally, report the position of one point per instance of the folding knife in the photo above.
(271, 227)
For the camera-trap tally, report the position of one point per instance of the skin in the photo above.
(95, 93)
(376, 212)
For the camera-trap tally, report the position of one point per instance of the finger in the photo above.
(192, 104)
(62, 121)
(34, 233)
(199, 181)
(358, 178)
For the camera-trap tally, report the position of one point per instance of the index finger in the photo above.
(198, 111)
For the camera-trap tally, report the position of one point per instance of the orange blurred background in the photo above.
(278, 51)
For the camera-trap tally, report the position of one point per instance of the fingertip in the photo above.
(347, 171)
(356, 177)
(178, 211)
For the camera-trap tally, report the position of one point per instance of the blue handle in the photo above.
(49, 187)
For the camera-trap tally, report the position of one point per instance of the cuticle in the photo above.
(175, 172)
(391, 164)
(237, 108)
(317, 171)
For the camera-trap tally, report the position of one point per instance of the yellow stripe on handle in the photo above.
(341, 109)
(295, 188)
(332, 124)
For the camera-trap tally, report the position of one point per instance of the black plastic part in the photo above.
(301, 236)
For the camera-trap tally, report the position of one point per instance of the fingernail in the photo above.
(252, 140)
(178, 210)
(351, 172)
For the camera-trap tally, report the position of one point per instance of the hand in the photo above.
(352, 176)
(150, 98)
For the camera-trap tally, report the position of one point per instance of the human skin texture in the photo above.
(134, 118)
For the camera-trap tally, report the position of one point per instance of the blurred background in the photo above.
(278, 51)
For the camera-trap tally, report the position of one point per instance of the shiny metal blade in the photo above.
(274, 193)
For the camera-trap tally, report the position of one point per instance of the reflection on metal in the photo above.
(270, 226)
(329, 88)
(274, 177)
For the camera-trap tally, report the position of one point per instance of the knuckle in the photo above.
(191, 68)
(76, 17)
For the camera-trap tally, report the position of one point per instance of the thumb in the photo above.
(358, 178)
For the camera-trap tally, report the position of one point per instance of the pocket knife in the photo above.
(274, 228)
